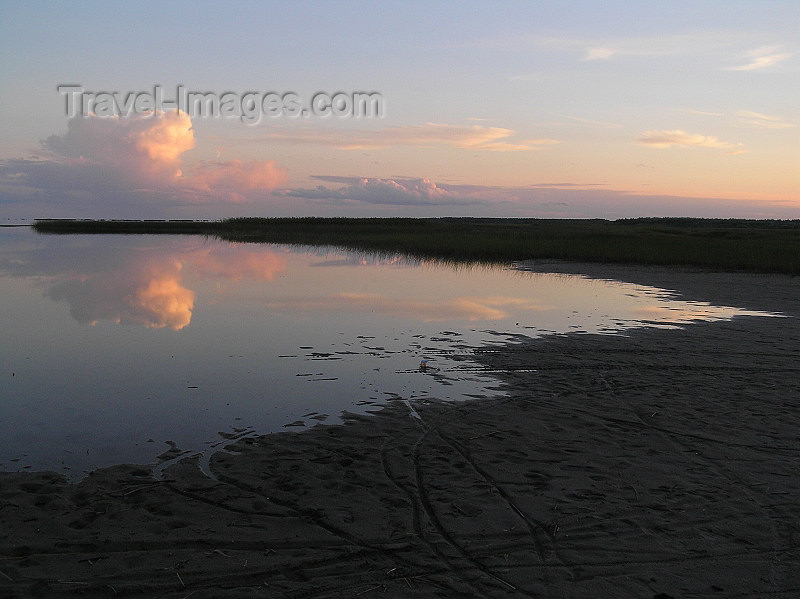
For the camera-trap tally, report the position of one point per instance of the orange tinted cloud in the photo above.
(145, 147)
(151, 296)
(144, 153)
(164, 302)
(165, 141)
(666, 139)
(147, 288)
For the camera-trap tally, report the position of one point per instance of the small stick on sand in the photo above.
(372, 588)
(505, 582)
(635, 492)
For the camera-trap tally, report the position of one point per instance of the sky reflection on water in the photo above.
(114, 345)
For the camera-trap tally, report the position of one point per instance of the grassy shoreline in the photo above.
(723, 244)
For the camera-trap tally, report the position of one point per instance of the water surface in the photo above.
(114, 346)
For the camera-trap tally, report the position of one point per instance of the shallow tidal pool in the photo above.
(117, 347)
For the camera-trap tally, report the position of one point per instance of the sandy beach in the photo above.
(663, 463)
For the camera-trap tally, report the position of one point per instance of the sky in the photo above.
(509, 109)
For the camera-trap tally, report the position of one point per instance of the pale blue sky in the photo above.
(634, 107)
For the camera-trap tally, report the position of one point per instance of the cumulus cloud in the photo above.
(137, 160)
(666, 139)
(762, 58)
(147, 147)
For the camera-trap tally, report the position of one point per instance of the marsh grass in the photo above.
(746, 245)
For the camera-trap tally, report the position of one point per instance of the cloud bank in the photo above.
(361, 196)
(396, 191)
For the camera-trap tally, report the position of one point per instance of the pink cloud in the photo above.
(147, 287)
(147, 148)
(236, 263)
(118, 163)
(235, 176)
(150, 294)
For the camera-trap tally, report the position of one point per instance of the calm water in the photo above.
(113, 346)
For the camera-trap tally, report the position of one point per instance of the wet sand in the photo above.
(659, 464)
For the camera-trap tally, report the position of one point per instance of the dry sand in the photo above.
(662, 464)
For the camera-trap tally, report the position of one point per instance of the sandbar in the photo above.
(659, 463)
